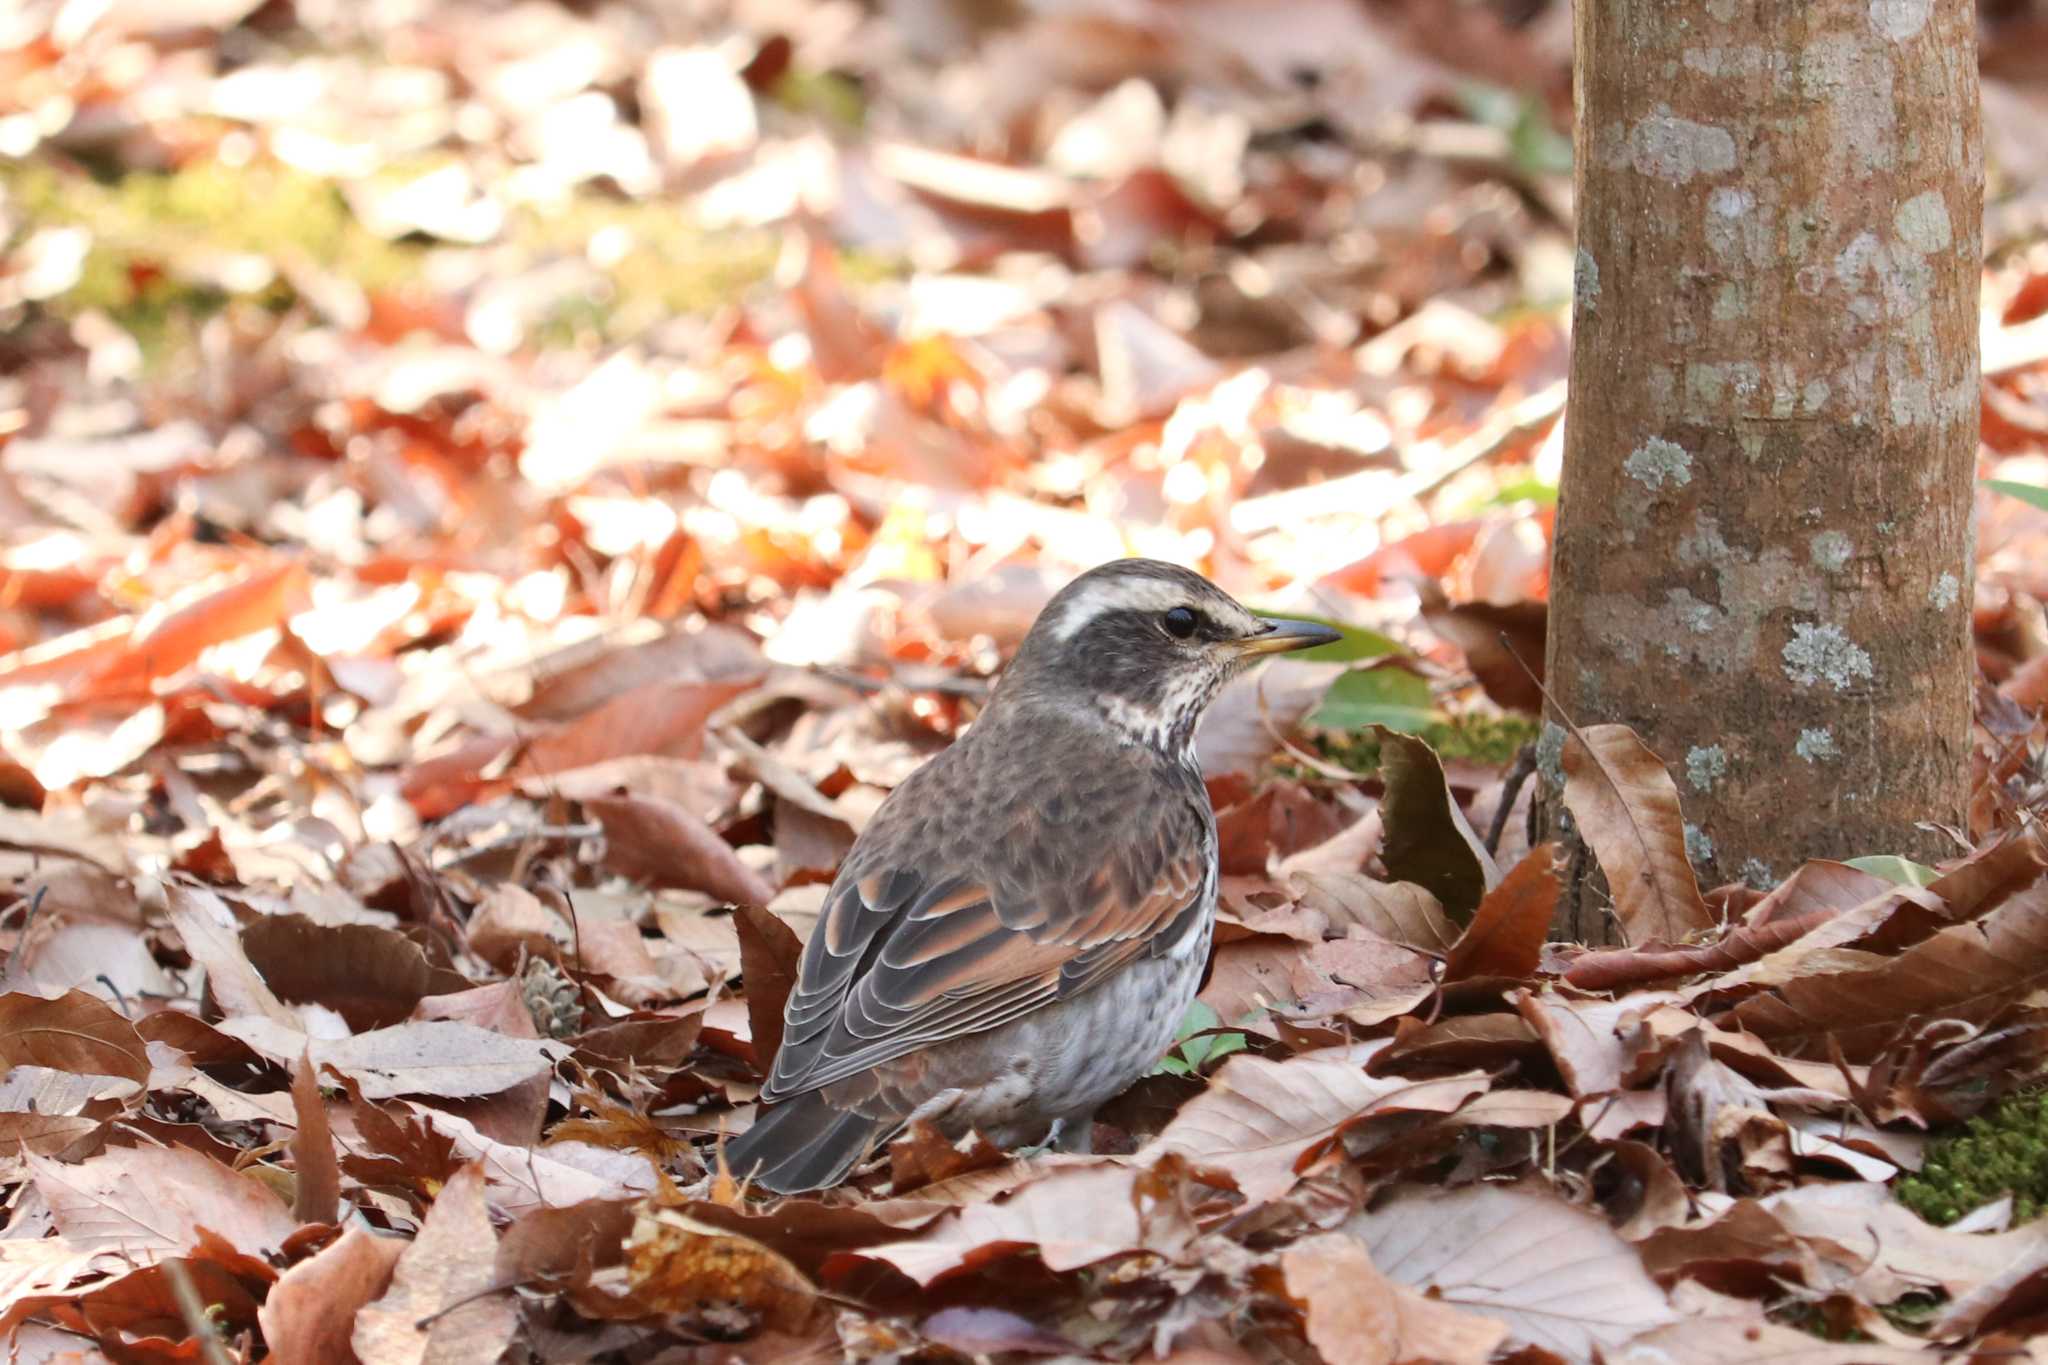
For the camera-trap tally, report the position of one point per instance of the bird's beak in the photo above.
(1279, 636)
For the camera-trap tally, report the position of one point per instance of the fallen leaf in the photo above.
(74, 1032)
(1356, 1316)
(317, 1198)
(144, 1200)
(444, 1304)
(1428, 841)
(369, 975)
(1507, 933)
(207, 926)
(310, 1313)
(1626, 806)
(659, 842)
(1261, 1123)
(1075, 1216)
(1815, 893)
(1558, 1276)
(769, 956)
(421, 1057)
(678, 1265)
(1971, 972)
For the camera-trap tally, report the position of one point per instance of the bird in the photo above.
(1018, 931)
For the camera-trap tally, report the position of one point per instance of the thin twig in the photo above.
(1510, 792)
(193, 1311)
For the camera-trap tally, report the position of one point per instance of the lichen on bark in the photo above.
(1764, 522)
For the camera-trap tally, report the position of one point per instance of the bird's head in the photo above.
(1146, 646)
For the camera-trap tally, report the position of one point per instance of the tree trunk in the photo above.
(1764, 532)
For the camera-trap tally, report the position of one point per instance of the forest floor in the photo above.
(487, 489)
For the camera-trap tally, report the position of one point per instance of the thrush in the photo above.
(1018, 932)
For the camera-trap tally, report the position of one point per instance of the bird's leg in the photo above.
(1074, 1135)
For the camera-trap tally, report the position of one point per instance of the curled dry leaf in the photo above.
(1971, 972)
(678, 1265)
(318, 1196)
(1356, 1316)
(444, 1304)
(1400, 912)
(310, 1313)
(1074, 1217)
(1601, 1046)
(207, 926)
(1506, 935)
(1814, 894)
(769, 954)
(1626, 806)
(1428, 841)
(1261, 1123)
(1558, 1276)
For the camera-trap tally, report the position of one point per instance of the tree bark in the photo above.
(1764, 531)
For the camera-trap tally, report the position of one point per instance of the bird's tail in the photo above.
(804, 1143)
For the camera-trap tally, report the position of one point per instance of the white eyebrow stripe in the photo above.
(1116, 594)
(1140, 594)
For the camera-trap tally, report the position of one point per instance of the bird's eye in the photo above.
(1180, 622)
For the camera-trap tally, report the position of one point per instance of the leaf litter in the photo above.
(492, 499)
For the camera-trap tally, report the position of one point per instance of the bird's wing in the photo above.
(915, 953)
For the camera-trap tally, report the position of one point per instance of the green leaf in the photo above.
(2026, 492)
(1198, 1017)
(1893, 868)
(1393, 697)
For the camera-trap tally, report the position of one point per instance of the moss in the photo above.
(155, 236)
(2002, 1151)
(158, 239)
(1477, 737)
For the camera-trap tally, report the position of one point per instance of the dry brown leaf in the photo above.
(1506, 935)
(259, 601)
(678, 1265)
(208, 929)
(1743, 1341)
(1815, 893)
(661, 843)
(369, 975)
(75, 1032)
(422, 1057)
(665, 718)
(1602, 1046)
(769, 955)
(317, 1198)
(310, 1313)
(444, 1305)
(1858, 1002)
(1558, 1276)
(1075, 1216)
(1400, 912)
(579, 678)
(1261, 1123)
(554, 1175)
(1356, 1316)
(155, 1200)
(1626, 806)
